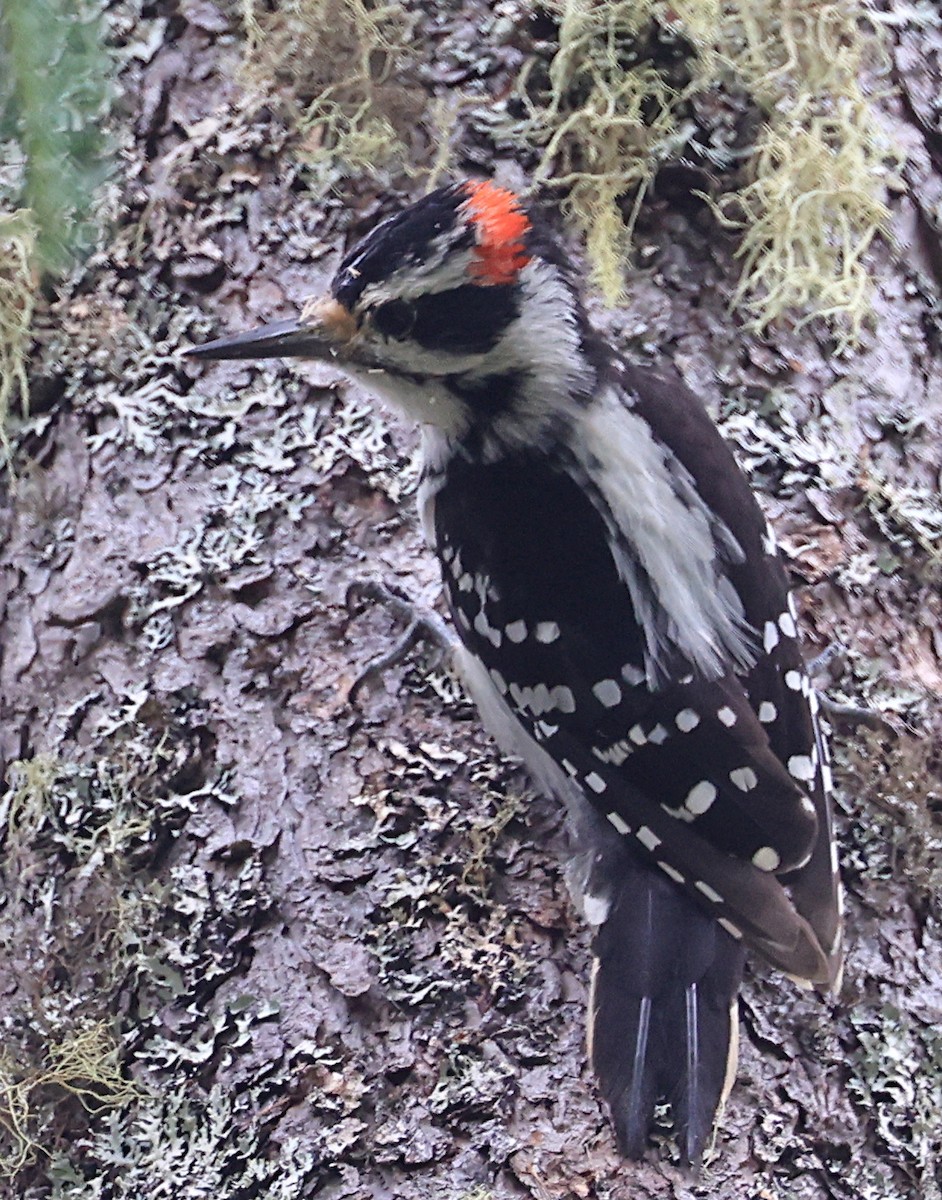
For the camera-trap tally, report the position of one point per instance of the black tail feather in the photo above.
(662, 1020)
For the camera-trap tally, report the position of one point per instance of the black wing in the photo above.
(689, 773)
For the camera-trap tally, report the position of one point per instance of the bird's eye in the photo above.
(395, 318)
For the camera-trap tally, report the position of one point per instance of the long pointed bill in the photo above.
(324, 329)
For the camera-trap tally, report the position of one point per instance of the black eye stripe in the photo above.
(470, 319)
(395, 318)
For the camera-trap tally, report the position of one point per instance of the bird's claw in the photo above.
(828, 666)
(423, 625)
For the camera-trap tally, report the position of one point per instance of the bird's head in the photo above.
(456, 309)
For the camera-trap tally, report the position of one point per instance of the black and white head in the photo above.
(459, 310)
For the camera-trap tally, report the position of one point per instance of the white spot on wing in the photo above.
(793, 680)
(547, 631)
(686, 720)
(636, 733)
(800, 766)
(766, 859)
(744, 778)
(700, 797)
(595, 782)
(483, 627)
(618, 823)
(607, 692)
(767, 712)
(786, 623)
(658, 735)
(632, 675)
(516, 631)
(670, 871)
(730, 928)
(563, 699)
(770, 637)
(726, 715)
(710, 893)
(647, 838)
(615, 754)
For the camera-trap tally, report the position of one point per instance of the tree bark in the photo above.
(329, 937)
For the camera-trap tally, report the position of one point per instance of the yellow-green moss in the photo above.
(85, 1064)
(607, 122)
(819, 167)
(813, 197)
(25, 806)
(334, 62)
(17, 298)
(807, 220)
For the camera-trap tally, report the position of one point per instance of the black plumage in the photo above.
(520, 539)
(401, 239)
(662, 1010)
(529, 539)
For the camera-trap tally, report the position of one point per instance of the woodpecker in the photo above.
(625, 627)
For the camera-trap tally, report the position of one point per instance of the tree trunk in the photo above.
(326, 933)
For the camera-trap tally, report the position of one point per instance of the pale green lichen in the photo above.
(479, 942)
(898, 798)
(186, 1146)
(909, 518)
(896, 1076)
(81, 906)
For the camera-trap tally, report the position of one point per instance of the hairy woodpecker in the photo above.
(626, 628)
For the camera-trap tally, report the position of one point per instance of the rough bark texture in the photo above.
(330, 938)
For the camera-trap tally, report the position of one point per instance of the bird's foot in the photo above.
(828, 666)
(422, 625)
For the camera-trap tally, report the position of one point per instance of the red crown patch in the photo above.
(499, 226)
